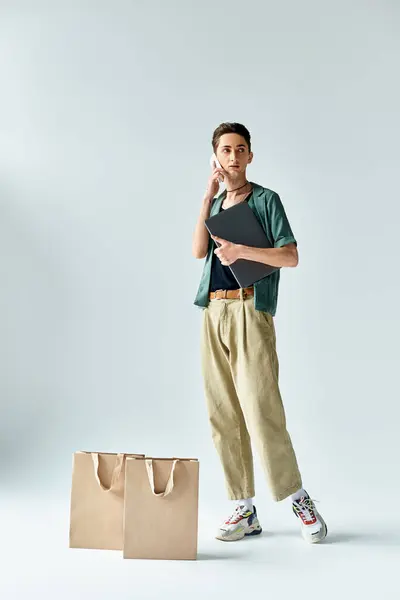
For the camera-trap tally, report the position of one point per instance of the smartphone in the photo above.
(215, 160)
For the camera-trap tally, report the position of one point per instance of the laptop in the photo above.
(238, 224)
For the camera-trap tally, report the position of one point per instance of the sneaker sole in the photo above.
(236, 539)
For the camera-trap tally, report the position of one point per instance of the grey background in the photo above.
(106, 116)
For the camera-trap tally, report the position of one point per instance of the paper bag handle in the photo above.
(170, 483)
(119, 461)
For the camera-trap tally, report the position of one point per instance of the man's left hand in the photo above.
(228, 252)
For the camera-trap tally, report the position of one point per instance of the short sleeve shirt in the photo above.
(268, 209)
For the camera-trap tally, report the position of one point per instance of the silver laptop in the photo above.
(238, 224)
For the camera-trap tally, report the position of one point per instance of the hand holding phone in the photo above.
(214, 162)
(217, 176)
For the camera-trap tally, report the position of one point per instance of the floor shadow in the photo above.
(385, 538)
(293, 533)
(356, 538)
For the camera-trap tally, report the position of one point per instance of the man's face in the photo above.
(233, 154)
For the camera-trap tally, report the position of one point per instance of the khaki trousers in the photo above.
(240, 370)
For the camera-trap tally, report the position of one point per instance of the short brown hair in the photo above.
(230, 128)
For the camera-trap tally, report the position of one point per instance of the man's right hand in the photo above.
(213, 183)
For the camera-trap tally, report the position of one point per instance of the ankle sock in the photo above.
(300, 493)
(247, 502)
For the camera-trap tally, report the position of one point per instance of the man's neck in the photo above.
(237, 196)
(235, 182)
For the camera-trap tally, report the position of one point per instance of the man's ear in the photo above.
(250, 158)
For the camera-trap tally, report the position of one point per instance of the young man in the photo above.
(239, 360)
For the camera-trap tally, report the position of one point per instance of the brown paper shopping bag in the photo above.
(97, 500)
(161, 508)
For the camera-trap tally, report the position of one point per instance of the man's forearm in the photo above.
(201, 235)
(275, 257)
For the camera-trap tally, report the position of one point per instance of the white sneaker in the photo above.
(242, 523)
(313, 527)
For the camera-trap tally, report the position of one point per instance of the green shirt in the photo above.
(268, 209)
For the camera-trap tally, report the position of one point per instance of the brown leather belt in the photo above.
(230, 294)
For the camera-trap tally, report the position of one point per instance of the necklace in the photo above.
(244, 200)
(239, 188)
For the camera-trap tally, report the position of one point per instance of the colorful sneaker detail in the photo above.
(242, 523)
(313, 527)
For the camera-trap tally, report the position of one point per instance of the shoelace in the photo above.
(307, 507)
(238, 509)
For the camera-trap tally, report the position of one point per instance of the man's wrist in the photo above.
(207, 200)
(243, 251)
(206, 208)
